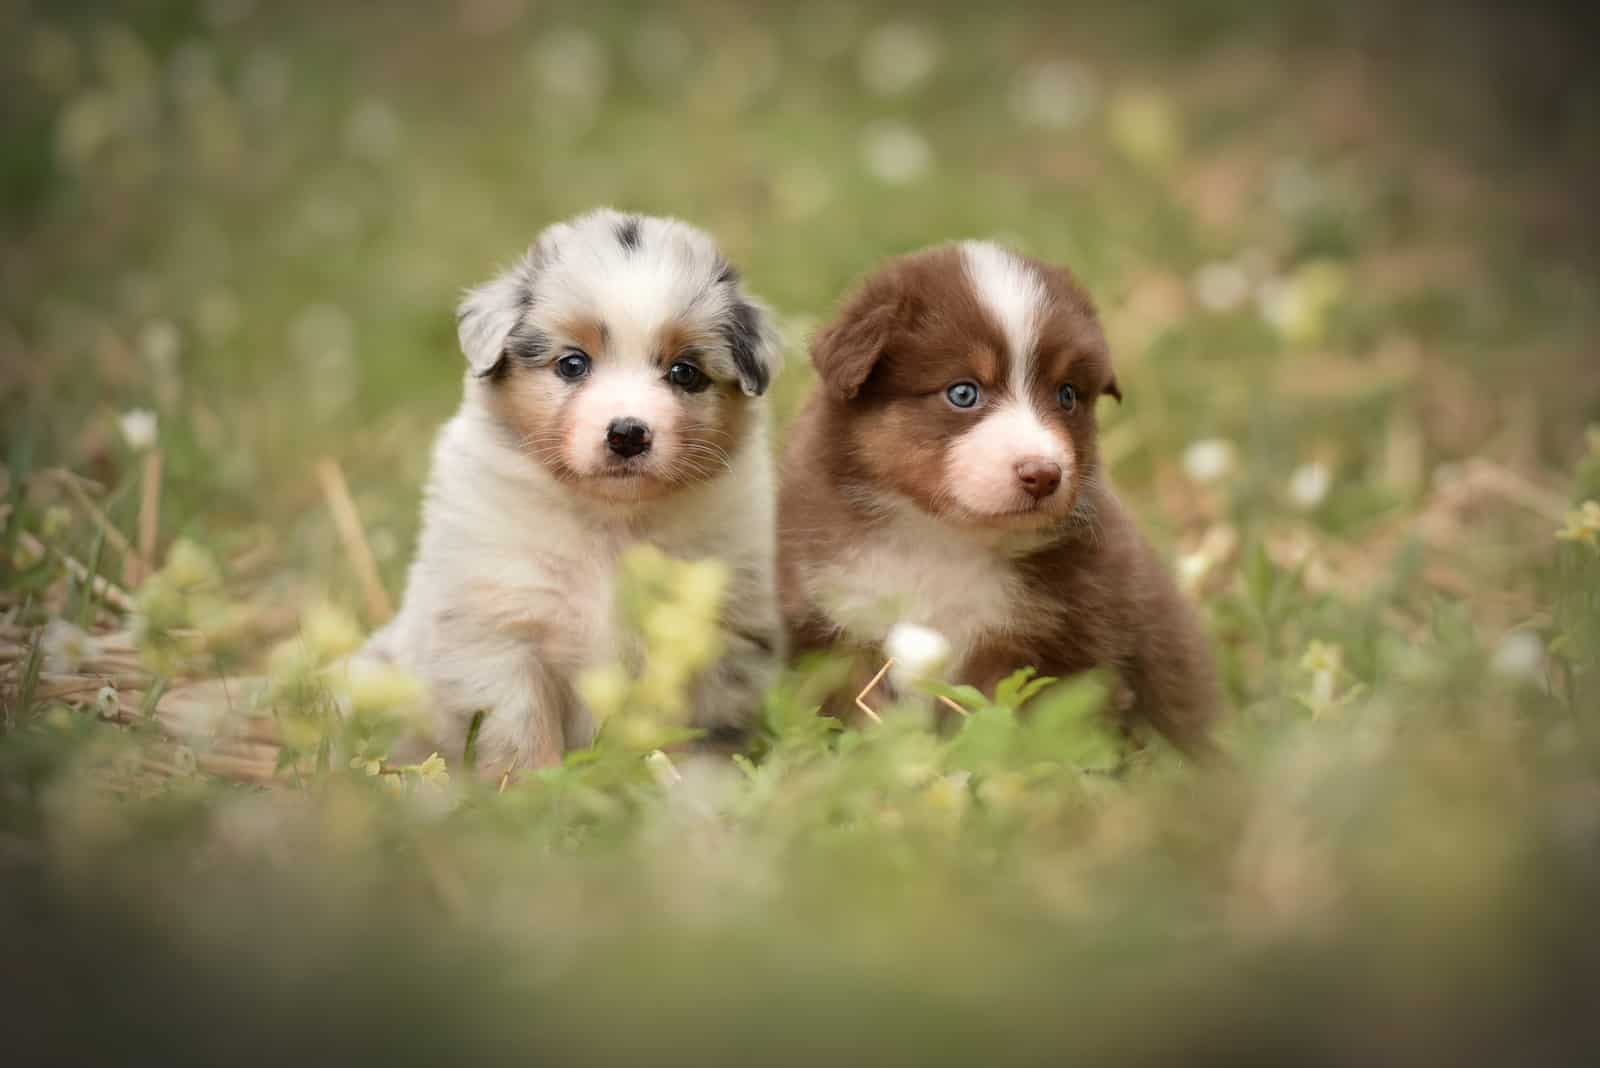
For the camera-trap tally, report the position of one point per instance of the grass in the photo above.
(1354, 326)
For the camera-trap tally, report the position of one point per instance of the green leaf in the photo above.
(469, 751)
(1020, 687)
(30, 675)
(86, 606)
(1069, 725)
(1010, 689)
(152, 698)
(969, 697)
(1259, 578)
(987, 737)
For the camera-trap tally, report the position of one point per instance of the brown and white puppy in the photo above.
(945, 473)
(612, 397)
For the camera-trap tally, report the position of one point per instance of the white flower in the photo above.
(138, 428)
(1309, 485)
(1277, 301)
(1209, 460)
(160, 342)
(1056, 95)
(323, 336)
(106, 703)
(66, 646)
(373, 130)
(918, 653)
(572, 64)
(1300, 306)
(1519, 656)
(662, 769)
(1296, 188)
(802, 191)
(1222, 286)
(1192, 569)
(897, 57)
(895, 153)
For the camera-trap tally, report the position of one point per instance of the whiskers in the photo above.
(548, 451)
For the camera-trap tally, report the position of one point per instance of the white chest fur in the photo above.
(506, 549)
(914, 569)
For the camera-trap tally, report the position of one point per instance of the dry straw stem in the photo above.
(861, 698)
(118, 541)
(345, 517)
(149, 514)
(110, 594)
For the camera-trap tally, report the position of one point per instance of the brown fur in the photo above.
(532, 404)
(1096, 594)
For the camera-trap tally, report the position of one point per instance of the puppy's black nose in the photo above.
(1039, 477)
(628, 437)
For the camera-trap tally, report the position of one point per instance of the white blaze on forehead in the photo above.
(1014, 295)
(665, 276)
(981, 465)
(613, 393)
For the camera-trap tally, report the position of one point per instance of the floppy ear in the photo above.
(757, 351)
(845, 352)
(1113, 390)
(488, 314)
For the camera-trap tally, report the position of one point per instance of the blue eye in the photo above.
(573, 366)
(963, 394)
(687, 377)
(1068, 398)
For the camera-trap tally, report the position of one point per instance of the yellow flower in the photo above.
(1002, 792)
(662, 770)
(948, 794)
(432, 771)
(604, 690)
(302, 734)
(377, 689)
(329, 633)
(1583, 524)
(1322, 657)
(701, 586)
(639, 733)
(1144, 126)
(57, 520)
(371, 765)
(189, 566)
(289, 662)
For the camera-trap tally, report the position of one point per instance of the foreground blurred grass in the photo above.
(1358, 367)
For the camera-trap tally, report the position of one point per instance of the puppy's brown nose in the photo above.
(1039, 477)
(627, 437)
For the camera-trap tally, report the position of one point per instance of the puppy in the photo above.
(944, 473)
(613, 396)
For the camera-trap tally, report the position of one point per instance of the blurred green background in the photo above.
(1346, 257)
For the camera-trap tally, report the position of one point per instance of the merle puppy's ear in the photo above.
(754, 344)
(1113, 390)
(847, 349)
(488, 314)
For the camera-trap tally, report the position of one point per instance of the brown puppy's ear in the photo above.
(1113, 390)
(845, 352)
